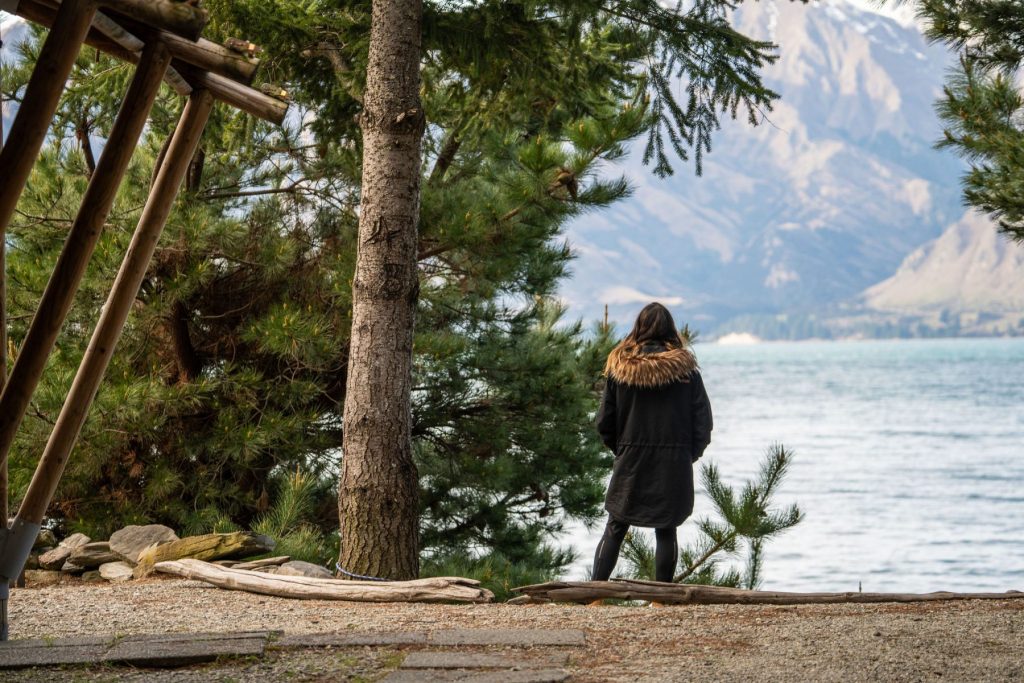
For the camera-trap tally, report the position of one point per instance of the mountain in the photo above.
(968, 281)
(799, 215)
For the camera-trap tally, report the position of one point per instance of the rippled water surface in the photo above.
(908, 467)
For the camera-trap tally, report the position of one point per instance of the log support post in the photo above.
(4, 484)
(81, 242)
(28, 131)
(115, 311)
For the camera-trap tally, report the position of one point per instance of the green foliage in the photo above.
(498, 573)
(232, 369)
(746, 520)
(982, 105)
(289, 520)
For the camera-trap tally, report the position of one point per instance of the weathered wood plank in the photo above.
(206, 547)
(688, 594)
(307, 588)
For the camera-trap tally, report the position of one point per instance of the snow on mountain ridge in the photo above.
(822, 200)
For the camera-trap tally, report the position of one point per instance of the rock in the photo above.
(93, 555)
(54, 559)
(74, 541)
(45, 539)
(132, 540)
(300, 568)
(92, 575)
(116, 571)
(32, 562)
(208, 547)
(41, 577)
(70, 568)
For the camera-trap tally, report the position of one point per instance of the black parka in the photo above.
(656, 417)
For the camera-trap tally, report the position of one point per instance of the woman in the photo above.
(656, 418)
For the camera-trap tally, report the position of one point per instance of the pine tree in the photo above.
(229, 375)
(982, 103)
(719, 66)
(746, 521)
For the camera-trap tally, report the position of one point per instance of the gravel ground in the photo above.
(959, 641)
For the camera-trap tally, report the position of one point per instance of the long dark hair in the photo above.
(654, 324)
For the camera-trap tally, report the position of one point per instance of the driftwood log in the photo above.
(690, 594)
(206, 547)
(438, 589)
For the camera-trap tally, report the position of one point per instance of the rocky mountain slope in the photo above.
(801, 214)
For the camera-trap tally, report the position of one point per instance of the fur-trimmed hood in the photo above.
(649, 366)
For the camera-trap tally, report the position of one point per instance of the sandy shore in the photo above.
(958, 641)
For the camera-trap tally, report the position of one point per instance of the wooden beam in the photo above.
(42, 93)
(174, 16)
(119, 303)
(203, 54)
(81, 242)
(43, 13)
(247, 99)
(237, 95)
(111, 29)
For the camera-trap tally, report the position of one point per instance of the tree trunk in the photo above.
(377, 495)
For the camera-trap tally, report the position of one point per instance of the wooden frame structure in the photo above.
(162, 37)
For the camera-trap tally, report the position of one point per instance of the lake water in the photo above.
(909, 459)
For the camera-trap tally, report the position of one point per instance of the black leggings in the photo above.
(665, 555)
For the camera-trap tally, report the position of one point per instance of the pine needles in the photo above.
(747, 519)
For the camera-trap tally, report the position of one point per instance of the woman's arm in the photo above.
(702, 419)
(606, 419)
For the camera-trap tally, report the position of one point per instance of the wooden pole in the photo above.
(105, 35)
(40, 102)
(115, 311)
(236, 94)
(3, 319)
(81, 241)
(203, 53)
(183, 18)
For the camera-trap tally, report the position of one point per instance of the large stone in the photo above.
(300, 568)
(116, 571)
(93, 555)
(45, 539)
(132, 540)
(54, 559)
(41, 577)
(208, 547)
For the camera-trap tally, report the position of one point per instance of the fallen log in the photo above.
(691, 594)
(206, 547)
(437, 589)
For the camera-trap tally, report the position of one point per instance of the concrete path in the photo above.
(469, 655)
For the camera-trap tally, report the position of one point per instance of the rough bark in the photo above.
(189, 363)
(377, 501)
